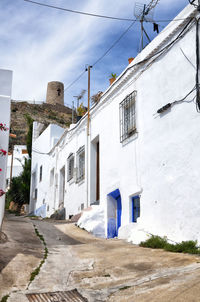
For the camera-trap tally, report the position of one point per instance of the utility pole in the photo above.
(72, 112)
(11, 166)
(88, 139)
(88, 121)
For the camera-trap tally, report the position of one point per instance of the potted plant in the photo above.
(113, 78)
(81, 110)
(130, 60)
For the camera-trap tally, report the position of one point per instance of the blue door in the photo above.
(114, 213)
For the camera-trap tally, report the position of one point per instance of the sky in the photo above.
(41, 44)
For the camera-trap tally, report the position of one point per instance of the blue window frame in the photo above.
(135, 208)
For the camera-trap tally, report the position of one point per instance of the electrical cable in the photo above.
(197, 67)
(72, 83)
(192, 3)
(80, 12)
(95, 15)
(113, 45)
(187, 58)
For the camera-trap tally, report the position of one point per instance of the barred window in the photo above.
(70, 167)
(127, 116)
(80, 164)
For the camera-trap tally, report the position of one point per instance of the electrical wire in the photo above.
(72, 83)
(80, 12)
(197, 67)
(192, 3)
(187, 58)
(95, 15)
(113, 45)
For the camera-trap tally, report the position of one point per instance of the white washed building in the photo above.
(15, 162)
(5, 96)
(141, 158)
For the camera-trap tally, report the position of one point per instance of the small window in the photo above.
(135, 208)
(70, 167)
(127, 117)
(40, 173)
(81, 164)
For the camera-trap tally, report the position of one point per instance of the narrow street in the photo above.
(99, 269)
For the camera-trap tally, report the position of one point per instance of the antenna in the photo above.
(145, 13)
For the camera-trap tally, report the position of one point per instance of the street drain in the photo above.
(71, 295)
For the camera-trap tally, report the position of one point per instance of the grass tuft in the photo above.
(157, 242)
(4, 298)
(37, 270)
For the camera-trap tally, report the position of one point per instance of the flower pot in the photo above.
(130, 60)
(112, 80)
(78, 118)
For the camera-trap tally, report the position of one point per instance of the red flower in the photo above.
(0, 169)
(3, 127)
(2, 152)
(2, 192)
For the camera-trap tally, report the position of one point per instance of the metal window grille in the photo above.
(40, 173)
(81, 164)
(70, 164)
(127, 117)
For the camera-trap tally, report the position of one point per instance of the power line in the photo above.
(95, 15)
(72, 83)
(113, 45)
(143, 61)
(102, 56)
(79, 12)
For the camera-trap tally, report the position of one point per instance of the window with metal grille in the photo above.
(127, 116)
(40, 173)
(135, 208)
(80, 164)
(70, 167)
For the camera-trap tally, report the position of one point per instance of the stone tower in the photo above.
(55, 93)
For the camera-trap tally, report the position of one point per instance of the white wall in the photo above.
(41, 145)
(5, 95)
(160, 161)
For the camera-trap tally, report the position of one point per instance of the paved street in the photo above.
(100, 269)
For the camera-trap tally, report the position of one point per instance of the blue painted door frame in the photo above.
(114, 225)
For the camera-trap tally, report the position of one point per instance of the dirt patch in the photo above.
(138, 266)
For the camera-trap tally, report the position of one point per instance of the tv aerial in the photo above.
(144, 13)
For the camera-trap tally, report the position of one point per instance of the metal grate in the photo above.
(71, 295)
(127, 116)
(70, 164)
(81, 164)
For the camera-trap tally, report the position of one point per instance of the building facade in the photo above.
(139, 158)
(5, 99)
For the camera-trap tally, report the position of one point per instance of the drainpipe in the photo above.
(88, 137)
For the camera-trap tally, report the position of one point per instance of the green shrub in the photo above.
(154, 242)
(4, 298)
(157, 242)
(189, 247)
